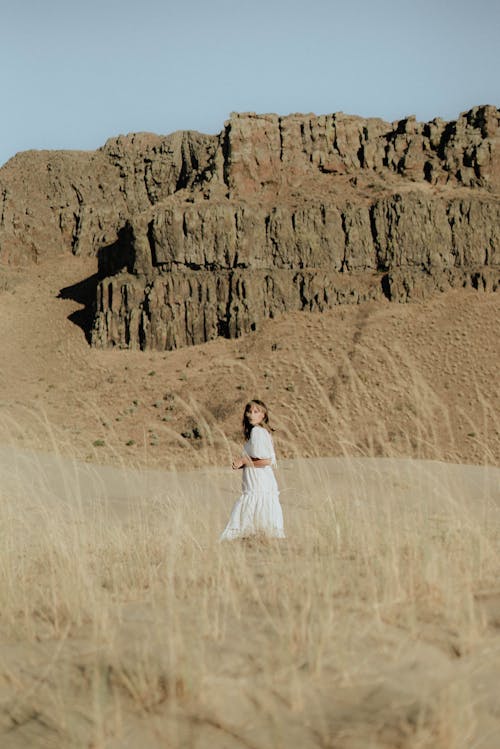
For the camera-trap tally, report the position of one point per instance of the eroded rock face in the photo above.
(265, 150)
(199, 236)
(77, 201)
(196, 272)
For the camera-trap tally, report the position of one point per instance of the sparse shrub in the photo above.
(192, 434)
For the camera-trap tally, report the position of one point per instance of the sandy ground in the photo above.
(38, 473)
(417, 380)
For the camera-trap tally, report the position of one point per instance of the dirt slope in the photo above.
(418, 379)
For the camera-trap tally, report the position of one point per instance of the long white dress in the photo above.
(258, 509)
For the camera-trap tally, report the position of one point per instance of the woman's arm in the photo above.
(261, 462)
(248, 461)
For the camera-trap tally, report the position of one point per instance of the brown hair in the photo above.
(247, 427)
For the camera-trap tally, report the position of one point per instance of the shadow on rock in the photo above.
(84, 292)
(111, 259)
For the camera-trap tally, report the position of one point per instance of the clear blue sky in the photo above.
(73, 74)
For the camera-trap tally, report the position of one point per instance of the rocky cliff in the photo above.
(199, 236)
(77, 201)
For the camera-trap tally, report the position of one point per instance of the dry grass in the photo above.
(374, 625)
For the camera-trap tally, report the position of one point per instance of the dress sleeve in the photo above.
(261, 444)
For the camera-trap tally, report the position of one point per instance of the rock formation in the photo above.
(199, 236)
(77, 201)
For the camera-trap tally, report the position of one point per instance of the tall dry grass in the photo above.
(126, 623)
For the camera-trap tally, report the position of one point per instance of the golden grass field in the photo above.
(125, 624)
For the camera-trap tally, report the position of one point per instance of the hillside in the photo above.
(417, 379)
(147, 291)
(297, 259)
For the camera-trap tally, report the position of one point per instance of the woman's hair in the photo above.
(247, 427)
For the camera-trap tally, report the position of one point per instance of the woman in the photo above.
(258, 510)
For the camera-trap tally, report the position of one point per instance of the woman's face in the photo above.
(255, 414)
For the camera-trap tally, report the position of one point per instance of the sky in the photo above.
(73, 74)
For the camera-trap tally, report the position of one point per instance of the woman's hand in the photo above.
(238, 463)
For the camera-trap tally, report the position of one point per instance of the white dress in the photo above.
(258, 509)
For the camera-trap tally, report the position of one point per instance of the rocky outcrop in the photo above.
(196, 271)
(199, 236)
(410, 229)
(267, 150)
(76, 201)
